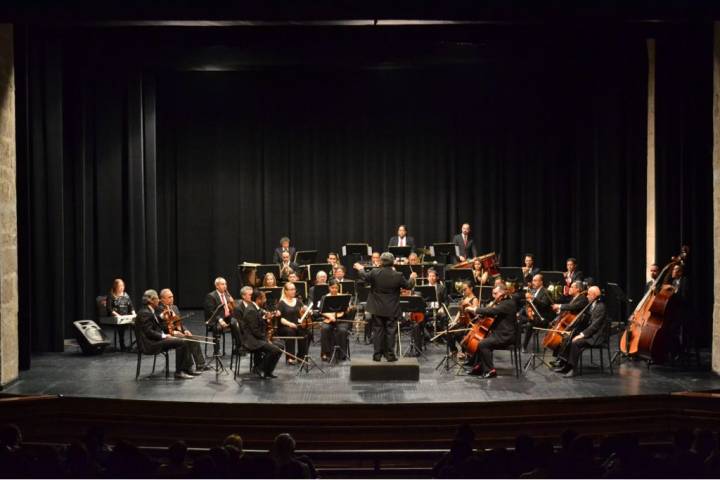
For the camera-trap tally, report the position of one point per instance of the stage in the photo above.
(112, 376)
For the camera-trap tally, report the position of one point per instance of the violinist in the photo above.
(218, 307)
(573, 346)
(333, 332)
(539, 316)
(254, 336)
(172, 324)
(572, 274)
(291, 310)
(435, 306)
(529, 269)
(502, 332)
(462, 319)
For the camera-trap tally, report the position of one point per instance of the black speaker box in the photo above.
(404, 370)
(90, 337)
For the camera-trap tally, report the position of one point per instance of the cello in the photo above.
(646, 332)
(565, 323)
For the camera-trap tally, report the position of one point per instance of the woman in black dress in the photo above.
(291, 311)
(118, 303)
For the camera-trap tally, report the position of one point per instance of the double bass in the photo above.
(646, 332)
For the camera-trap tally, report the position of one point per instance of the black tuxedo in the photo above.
(575, 305)
(543, 304)
(594, 334)
(384, 305)
(502, 333)
(277, 254)
(409, 241)
(214, 312)
(150, 336)
(469, 251)
(253, 336)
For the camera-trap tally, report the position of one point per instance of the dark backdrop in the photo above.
(146, 162)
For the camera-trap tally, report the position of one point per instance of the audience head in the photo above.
(177, 452)
(235, 440)
(283, 446)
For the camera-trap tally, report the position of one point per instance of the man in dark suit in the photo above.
(218, 311)
(402, 240)
(681, 329)
(253, 335)
(154, 340)
(575, 306)
(593, 335)
(529, 269)
(287, 266)
(572, 274)
(284, 247)
(542, 313)
(654, 272)
(167, 308)
(440, 298)
(384, 303)
(465, 243)
(502, 333)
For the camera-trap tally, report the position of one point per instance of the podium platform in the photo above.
(404, 370)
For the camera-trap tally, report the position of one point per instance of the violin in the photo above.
(464, 317)
(173, 320)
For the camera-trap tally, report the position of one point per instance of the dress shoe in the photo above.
(491, 374)
(555, 363)
(194, 373)
(258, 372)
(270, 375)
(477, 371)
(183, 376)
(377, 358)
(391, 358)
(559, 368)
(570, 373)
(204, 368)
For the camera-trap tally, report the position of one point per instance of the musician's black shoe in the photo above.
(258, 372)
(377, 358)
(491, 374)
(477, 371)
(570, 373)
(270, 375)
(204, 368)
(182, 376)
(391, 358)
(194, 373)
(564, 369)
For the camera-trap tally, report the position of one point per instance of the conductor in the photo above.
(384, 303)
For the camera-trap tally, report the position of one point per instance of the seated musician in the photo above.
(480, 276)
(461, 320)
(502, 331)
(375, 260)
(286, 266)
(333, 332)
(154, 340)
(577, 303)
(169, 313)
(594, 334)
(571, 275)
(654, 270)
(118, 303)
(254, 336)
(218, 307)
(293, 277)
(291, 310)
(435, 307)
(239, 312)
(529, 269)
(413, 259)
(333, 259)
(339, 273)
(417, 328)
(269, 280)
(541, 315)
(284, 247)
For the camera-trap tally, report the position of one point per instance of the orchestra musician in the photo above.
(118, 303)
(384, 303)
(572, 274)
(332, 259)
(254, 336)
(681, 329)
(529, 269)
(284, 247)
(218, 307)
(502, 331)
(468, 300)
(528, 316)
(480, 275)
(339, 273)
(654, 270)
(435, 306)
(332, 332)
(375, 259)
(154, 340)
(417, 328)
(466, 243)
(167, 311)
(286, 266)
(291, 310)
(402, 240)
(577, 303)
(239, 312)
(595, 333)
(269, 280)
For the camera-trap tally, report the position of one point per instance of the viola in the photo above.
(173, 320)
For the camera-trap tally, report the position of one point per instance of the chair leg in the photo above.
(139, 361)
(154, 360)
(602, 362)
(610, 366)
(167, 365)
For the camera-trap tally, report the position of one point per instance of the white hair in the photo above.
(218, 280)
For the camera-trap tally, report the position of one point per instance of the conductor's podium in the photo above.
(404, 370)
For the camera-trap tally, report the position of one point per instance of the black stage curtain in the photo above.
(169, 178)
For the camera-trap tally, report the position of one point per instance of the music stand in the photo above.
(534, 356)
(616, 302)
(305, 257)
(412, 304)
(301, 289)
(444, 251)
(318, 292)
(273, 295)
(266, 268)
(453, 275)
(512, 274)
(552, 276)
(406, 270)
(335, 304)
(400, 252)
(427, 292)
(359, 249)
(347, 286)
(314, 268)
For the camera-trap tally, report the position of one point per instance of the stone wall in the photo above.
(8, 213)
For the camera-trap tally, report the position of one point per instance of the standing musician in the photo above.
(654, 270)
(218, 307)
(681, 329)
(572, 274)
(578, 302)
(462, 318)
(466, 243)
(402, 240)
(291, 310)
(384, 303)
(286, 266)
(502, 332)
(169, 313)
(573, 346)
(529, 269)
(528, 316)
(333, 332)
(284, 247)
(154, 340)
(254, 336)
(118, 303)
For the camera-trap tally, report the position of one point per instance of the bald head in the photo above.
(593, 293)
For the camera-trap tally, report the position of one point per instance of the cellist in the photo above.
(170, 315)
(502, 333)
(576, 304)
(461, 320)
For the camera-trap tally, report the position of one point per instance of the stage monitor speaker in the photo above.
(90, 337)
(404, 370)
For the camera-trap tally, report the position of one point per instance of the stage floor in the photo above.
(112, 375)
